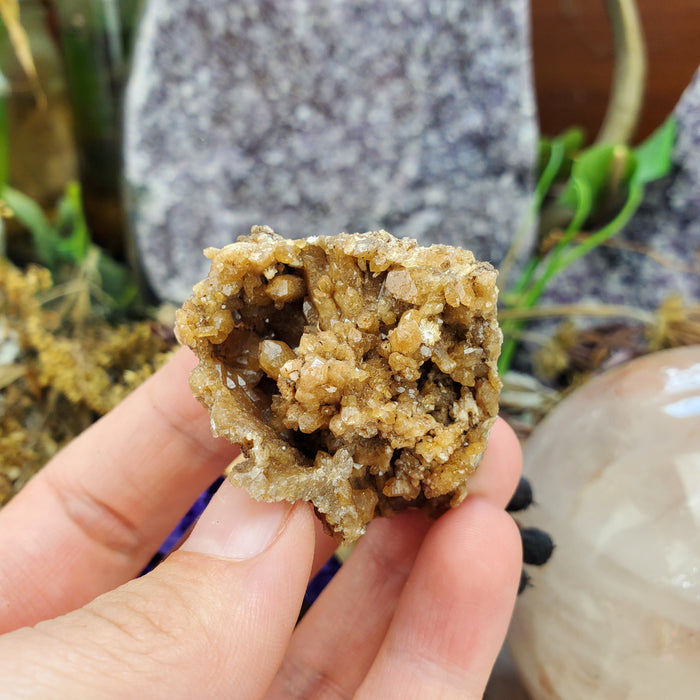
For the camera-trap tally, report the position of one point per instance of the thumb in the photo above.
(213, 620)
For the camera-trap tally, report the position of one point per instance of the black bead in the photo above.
(537, 546)
(522, 498)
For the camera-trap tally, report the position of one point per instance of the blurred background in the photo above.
(65, 123)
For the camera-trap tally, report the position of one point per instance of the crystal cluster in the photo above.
(357, 372)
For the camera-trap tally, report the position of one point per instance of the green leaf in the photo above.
(569, 142)
(45, 238)
(654, 154)
(573, 140)
(67, 241)
(584, 205)
(116, 281)
(592, 166)
(544, 153)
(551, 170)
(72, 227)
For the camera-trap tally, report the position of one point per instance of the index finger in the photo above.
(497, 476)
(94, 516)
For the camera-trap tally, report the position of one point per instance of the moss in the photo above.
(61, 367)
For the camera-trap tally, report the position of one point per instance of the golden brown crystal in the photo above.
(357, 372)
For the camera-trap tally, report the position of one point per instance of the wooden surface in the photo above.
(574, 58)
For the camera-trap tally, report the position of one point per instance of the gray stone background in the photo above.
(317, 117)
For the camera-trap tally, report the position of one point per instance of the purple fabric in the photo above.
(321, 580)
(173, 539)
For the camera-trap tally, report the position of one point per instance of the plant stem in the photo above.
(553, 259)
(602, 310)
(629, 77)
(528, 299)
(556, 158)
(634, 199)
(10, 15)
(563, 256)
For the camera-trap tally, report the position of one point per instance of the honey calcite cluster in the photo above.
(357, 371)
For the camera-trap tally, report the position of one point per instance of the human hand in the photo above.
(419, 610)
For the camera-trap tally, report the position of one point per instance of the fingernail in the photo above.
(234, 526)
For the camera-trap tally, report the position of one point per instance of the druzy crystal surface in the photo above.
(357, 371)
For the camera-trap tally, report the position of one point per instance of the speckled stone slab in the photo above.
(661, 244)
(316, 117)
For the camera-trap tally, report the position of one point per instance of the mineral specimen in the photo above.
(616, 467)
(357, 372)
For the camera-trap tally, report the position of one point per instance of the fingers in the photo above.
(93, 517)
(453, 613)
(213, 620)
(325, 546)
(351, 617)
(498, 474)
(496, 479)
(99, 510)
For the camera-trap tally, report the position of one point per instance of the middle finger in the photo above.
(355, 610)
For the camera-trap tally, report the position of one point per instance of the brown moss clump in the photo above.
(60, 370)
(358, 372)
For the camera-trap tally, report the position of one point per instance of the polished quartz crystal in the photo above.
(616, 470)
(357, 372)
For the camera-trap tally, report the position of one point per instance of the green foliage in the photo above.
(63, 245)
(31, 216)
(654, 155)
(569, 142)
(584, 184)
(117, 282)
(74, 239)
(591, 171)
